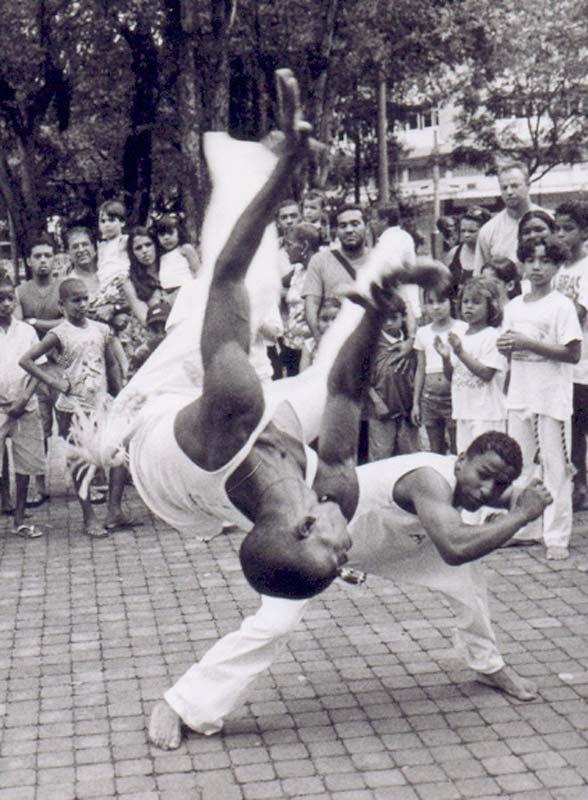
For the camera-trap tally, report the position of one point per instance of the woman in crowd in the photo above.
(535, 225)
(460, 259)
(142, 288)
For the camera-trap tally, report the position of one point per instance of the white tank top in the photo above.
(379, 523)
(174, 487)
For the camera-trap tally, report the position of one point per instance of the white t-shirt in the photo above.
(573, 282)
(471, 397)
(498, 238)
(113, 260)
(538, 384)
(425, 336)
(15, 341)
(174, 269)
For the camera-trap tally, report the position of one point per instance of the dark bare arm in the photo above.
(431, 498)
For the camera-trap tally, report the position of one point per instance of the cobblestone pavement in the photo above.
(368, 702)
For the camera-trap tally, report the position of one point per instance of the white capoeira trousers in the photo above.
(219, 683)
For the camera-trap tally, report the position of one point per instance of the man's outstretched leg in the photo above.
(212, 429)
(215, 686)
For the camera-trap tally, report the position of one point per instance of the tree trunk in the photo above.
(16, 204)
(383, 169)
(138, 149)
(189, 114)
(321, 118)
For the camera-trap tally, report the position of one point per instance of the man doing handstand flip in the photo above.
(238, 452)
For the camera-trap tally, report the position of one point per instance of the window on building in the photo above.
(418, 119)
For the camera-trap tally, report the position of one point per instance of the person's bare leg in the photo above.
(165, 727)
(116, 486)
(91, 525)
(22, 486)
(508, 681)
(5, 483)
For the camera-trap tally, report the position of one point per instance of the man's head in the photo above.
(41, 256)
(351, 230)
(571, 225)
(81, 249)
(486, 469)
(513, 180)
(7, 297)
(287, 215)
(299, 561)
(301, 241)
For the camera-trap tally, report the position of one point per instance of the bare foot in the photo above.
(556, 553)
(506, 680)
(165, 727)
(95, 530)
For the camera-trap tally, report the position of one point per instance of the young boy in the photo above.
(571, 225)
(20, 420)
(83, 349)
(543, 339)
(391, 432)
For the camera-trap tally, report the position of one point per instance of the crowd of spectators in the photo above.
(501, 346)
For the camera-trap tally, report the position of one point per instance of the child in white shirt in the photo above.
(432, 391)
(113, 259)
(571, 225)
(543, 341)
(474, 365)
(178, 261)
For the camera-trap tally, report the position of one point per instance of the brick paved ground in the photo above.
(368, 703)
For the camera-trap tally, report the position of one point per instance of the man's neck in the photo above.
(5, 323)
(91, 269)
(353, 255)
(42, 280)
(520, 210)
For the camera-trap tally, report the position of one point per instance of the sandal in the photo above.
(28, 531)
(123, 525)
(37, 500)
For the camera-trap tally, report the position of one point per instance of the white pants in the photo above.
(554, 471)
(218, 684)
(467, 430)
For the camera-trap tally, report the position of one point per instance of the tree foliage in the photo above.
(524, 94)
(100, 98)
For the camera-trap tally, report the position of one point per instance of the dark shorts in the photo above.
(435, 408)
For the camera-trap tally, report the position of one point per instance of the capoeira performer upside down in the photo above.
(236, 450)
(239, 453)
